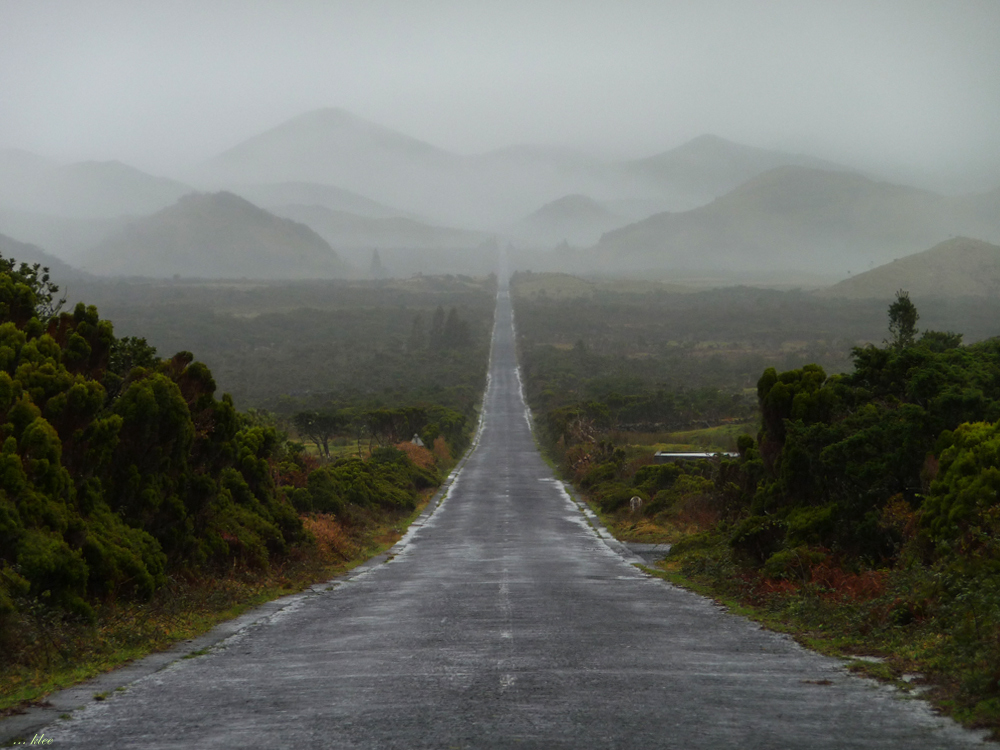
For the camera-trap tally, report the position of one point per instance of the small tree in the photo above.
(903, 319)
(320, 427)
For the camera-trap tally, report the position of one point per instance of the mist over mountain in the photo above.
(485, 191)
(332, 146)
(343, 229)
(19, 167)
(708, 166)
(64, 236)
(315, 194)
(709, 203)
(24, 252)
(576, 219)
(794, 218)
(958, 267)
(89, 189)
(215, 236)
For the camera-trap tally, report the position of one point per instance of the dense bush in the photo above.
(116, 465)
(388, 479)
(837, 450)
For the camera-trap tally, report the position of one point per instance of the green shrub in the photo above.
(793, 564)
(758, 537)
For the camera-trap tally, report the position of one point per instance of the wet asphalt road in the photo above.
(505, 621)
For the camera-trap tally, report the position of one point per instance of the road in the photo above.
(505, 621)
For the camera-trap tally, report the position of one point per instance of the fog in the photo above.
(648, 136)
(907, 88)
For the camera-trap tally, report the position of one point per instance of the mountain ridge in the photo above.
(215, 235)
(487, 191)
(794, 217)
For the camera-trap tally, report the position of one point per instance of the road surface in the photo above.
(505, 621)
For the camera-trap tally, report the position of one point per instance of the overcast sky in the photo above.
(910, 85)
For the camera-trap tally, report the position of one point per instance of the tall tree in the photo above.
(903, 319)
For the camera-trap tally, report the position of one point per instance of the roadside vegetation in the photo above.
(138, 508)
(861, 513)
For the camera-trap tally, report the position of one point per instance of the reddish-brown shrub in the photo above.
(331, 538)
(841, 584)
(441, 451)
(419, 455)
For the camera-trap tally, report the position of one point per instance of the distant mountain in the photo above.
(334, 147)
(955, 268)
(576, 219)
(215, 236)
(794, 218)
(709, 166)
(347, 230)
(328, 146)
(18, 166)
(317, 145)
(89, 189)
(314, 194)
(63, 236)
(23, 252)
(483, 191)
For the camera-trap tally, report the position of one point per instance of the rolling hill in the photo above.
(793, 218)
(216, 235)
(960, 267)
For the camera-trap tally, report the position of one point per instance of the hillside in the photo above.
(954, 268)
(792, 218)
(64, 236)
(577, 219)
(343, 229)
(23, 252)
(709, 166)
(216, 235)
(329, 146)
(89, 189)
